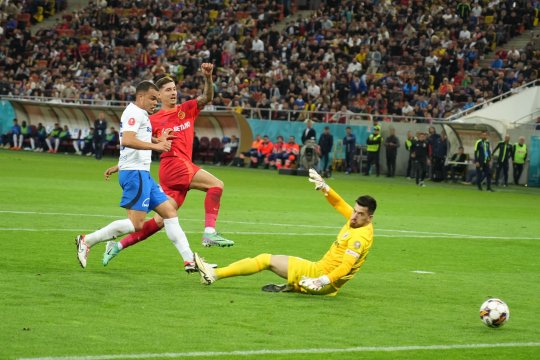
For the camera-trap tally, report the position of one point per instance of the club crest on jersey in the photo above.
(131, 121)
(181, 115)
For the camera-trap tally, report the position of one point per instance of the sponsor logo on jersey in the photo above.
(353, 253)
(182, 127)
(146, 202)
(181, 115)
(131, 121)
(345, 235)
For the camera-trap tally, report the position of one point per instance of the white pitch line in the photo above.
(414, 233)
(333, 234)
(422, 272)
(357, 349)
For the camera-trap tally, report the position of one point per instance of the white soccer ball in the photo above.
(494, 313)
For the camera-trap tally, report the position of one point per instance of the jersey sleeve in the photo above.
(131, 122)
(156, 130)
(191, 109)
(338, 203)
(355, 247)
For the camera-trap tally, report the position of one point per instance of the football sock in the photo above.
(209, 230)
(178, 238)
(149, 228)
(244, 267)
(211, 206)
(111, 231)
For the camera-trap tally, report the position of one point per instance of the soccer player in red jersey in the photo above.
(177, 172)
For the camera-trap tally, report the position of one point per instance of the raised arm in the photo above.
(331, 196)
(208, 91)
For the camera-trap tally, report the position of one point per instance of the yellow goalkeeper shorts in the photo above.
(298, 268)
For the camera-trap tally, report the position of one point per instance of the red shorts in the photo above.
(175, 176)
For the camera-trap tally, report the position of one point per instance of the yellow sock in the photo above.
(245, 267)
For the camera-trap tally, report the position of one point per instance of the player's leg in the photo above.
(161, 205)
(149, 228)
(244, 267)
(204, 181)
(111, 231)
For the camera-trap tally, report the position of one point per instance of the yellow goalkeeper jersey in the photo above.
(350, 249)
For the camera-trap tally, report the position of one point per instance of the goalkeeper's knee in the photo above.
(263, 261)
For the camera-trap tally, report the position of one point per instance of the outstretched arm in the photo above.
(331, 196)
(208, 91)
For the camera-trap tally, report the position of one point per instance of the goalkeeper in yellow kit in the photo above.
(324, 277)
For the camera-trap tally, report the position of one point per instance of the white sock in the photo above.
(209, 230)
(111, 231)
(178, 238)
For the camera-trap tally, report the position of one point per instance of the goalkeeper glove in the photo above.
(319, 182)
(314, 284)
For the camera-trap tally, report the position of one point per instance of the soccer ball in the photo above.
(494, 313)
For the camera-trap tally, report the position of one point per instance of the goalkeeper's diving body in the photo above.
(324, 277)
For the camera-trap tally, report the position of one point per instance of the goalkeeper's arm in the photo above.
(333, 198)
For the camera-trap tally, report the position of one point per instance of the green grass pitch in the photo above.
(474, 245)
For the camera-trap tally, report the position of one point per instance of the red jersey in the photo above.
(181, 120)
(292, 148)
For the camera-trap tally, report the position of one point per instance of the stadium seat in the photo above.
(204, 145)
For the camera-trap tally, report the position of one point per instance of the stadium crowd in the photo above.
(408, 58)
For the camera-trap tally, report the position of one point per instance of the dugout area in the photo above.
(81, 117)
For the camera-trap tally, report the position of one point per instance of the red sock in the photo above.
(149, 228)
(211, 206)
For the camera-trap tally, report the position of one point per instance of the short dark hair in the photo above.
(144, 86)
(369, 202)
(163, 81)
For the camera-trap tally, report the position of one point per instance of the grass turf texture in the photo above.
(477, 244)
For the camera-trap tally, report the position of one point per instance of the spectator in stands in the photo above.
(497, 63)
(326, 144)
(100, 133)
(54, 135)
(413, 43)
